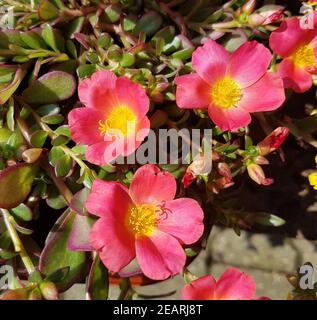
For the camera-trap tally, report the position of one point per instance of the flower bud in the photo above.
(256, 173)
(273, 141)
(249, 6)
(49, 290)
(266, 15)
(35, 294)
(31, 155)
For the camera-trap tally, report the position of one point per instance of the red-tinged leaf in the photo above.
(79, 235)
(56, 254)
(15, 184)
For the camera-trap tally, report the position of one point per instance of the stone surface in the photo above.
(265, 257)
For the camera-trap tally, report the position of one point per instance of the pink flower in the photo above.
(232, 285)
(114, 117)
(230, 85)
(297, 45)
(144, 222)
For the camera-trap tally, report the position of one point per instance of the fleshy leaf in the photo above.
(47, 11)
(7, 91)
(77, 203)
(52, 87)
(79, 235)
(15, 184)
(56, 254)
(98, 281)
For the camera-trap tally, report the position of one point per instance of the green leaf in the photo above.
(55, 154)
(63, 166)
(38, 138)
(98, 281)
(268, 219)
(56, 254)
(127, 60)
(48, 109)
(53, 38)
(47, 11)
(60, 140)
(56, 200)
(10, 116)
(58, 275)
(53, 119)
(7, 254)
(15, 184)
(7, 91)
(32, 40)
(63, 130)
(52, 87)
(148, 24)
(22, 212)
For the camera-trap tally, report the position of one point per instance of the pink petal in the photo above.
(84, 123)
(99, 153)
(108, 198)
(184, 220)
(94, 91)
(235, 285)
(265, 95)
(200, 289)
(249, 63)
(132, 95)
(151, 185)
(192, 92)
(229, 119)
(160, 255)
(134, 141)
(294, 77)
(113, 241)
(210, 61)
(289, 36)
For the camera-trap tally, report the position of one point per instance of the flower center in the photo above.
(304, 56)
(226, 93)
(142, 219)
(121, 119)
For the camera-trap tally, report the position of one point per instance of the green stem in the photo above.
(17, 243)
(125, 287)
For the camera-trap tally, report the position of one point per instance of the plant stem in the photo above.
(17, 243)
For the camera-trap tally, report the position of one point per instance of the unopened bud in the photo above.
(256, 173)
(49, 290)
(249, 6)
(273, 141)
(35, 294)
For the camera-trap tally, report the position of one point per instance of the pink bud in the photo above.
(256, 173)
(273, 141)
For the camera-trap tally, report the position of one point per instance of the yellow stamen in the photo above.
(304, 56)
(142, 219)
(226, 93)
(122, 119)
